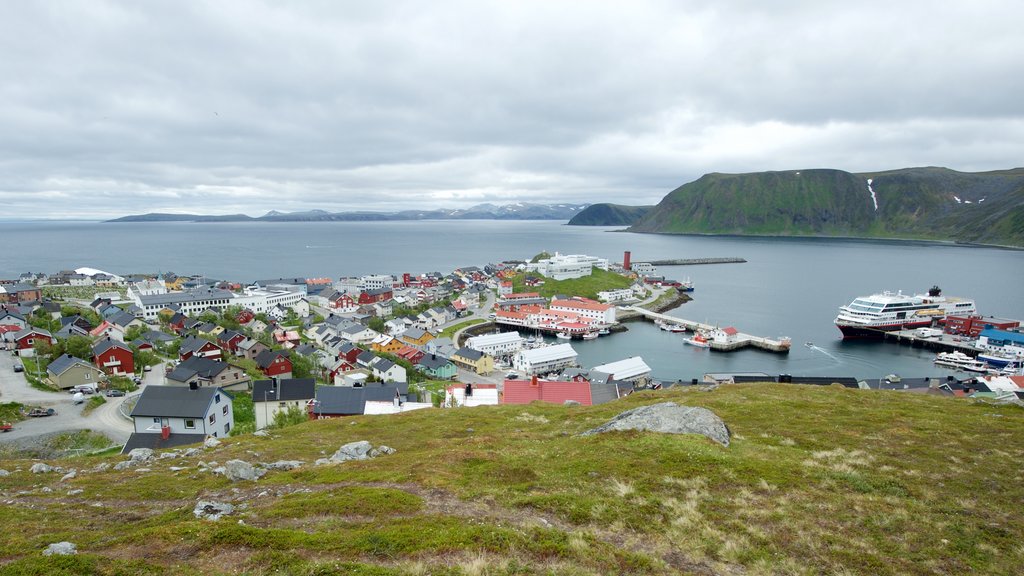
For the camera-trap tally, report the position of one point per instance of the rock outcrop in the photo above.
(669, 418)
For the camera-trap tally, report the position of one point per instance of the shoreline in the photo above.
(869, 239)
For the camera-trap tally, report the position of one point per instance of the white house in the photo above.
(167, 416)
(500, 344)
(546, 359)
(620, 295)
(471, 395)
(271, 396)
(586, 308)
(376, 281)
(387, 371)
(357, 333)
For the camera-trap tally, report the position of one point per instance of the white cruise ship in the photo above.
(867, 316)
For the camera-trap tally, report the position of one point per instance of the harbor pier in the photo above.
(732, 342)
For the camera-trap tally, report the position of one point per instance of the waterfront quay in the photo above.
(721, 339)
(941, 342)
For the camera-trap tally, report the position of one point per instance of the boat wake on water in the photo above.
(823, 351)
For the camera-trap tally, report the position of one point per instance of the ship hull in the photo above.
(877, 332)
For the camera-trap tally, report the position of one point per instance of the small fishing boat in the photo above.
(699, 340)
(590, 336)
(564, 336)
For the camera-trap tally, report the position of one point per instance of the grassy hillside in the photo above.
(588, 286)
(816, 480)
(917, 203)
(609, 215)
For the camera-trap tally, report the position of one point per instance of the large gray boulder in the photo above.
(41, 468)
(212, 510)
(353, 451)
(60, 549)
(237, 470)
(141, 454)
(283, 465)
(669, 418)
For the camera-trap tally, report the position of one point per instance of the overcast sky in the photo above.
(221, 107)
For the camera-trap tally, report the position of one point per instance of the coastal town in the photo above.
(165, 360)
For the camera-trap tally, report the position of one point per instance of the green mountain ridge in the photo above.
(913, 203)
(605, 214)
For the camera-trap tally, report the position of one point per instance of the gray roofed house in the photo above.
(305, 349)
(273, 396)
(124, 319)
(250, 348)
(208, 372)
(365, 358)
(193, 345)
(64, 363)
(432, 361)
(68, 371)
(470, 354)
(175, 401)
(267, 357)
(333, 401)
(441, 346)
(106, 344)
(69, 330)
(179, 416)
(413, 333)
(608, 391)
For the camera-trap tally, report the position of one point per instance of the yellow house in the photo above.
(212, 332)
(416, 337)
(473, 360)
(387, 344)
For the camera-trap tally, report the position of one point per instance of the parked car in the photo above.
(19, 368)
(147, 369)
(113, 393)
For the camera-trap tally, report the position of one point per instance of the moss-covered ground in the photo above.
(817, 480)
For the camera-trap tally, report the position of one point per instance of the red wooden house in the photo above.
(342, 301)
(245, 316)
(375, 295)
(25, 340)
(229, 340)
(275, 363)
(193, 346)
(177, 323)
(412, 355)
(113, 357)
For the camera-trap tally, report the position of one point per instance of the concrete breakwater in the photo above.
(696, 261)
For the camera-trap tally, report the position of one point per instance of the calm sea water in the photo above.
(788, 287)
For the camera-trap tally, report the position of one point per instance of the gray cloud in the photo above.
(110, 108)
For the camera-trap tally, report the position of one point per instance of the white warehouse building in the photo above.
(567, 266)
(500, 344)
(546, 359)
(630, 369)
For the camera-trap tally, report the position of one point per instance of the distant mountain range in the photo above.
(910, 203)
(517, 211)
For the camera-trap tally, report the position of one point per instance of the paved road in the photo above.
(69, 417)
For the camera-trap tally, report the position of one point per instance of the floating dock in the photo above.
(732, 342)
